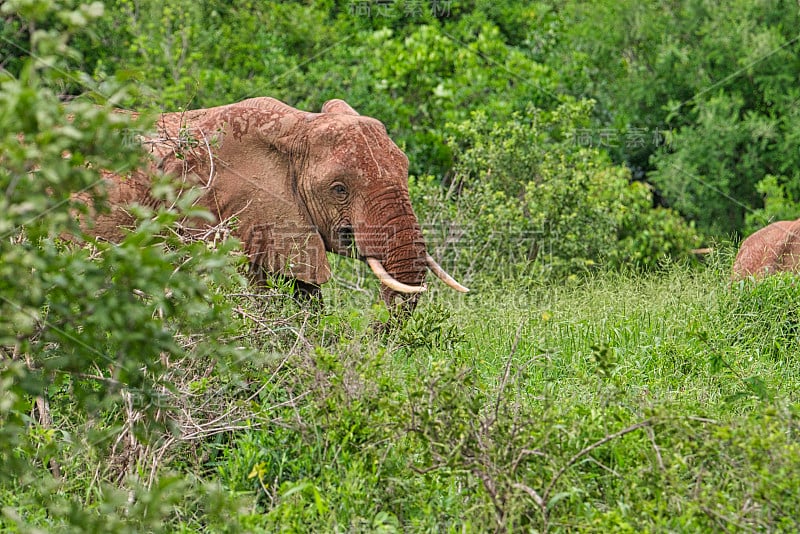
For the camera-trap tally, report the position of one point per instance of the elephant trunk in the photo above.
(405, 262)
(390, 239)
(394, 249)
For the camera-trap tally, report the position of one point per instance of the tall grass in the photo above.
(616, 402)
(663, 401)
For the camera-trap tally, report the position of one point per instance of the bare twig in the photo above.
(652, 436)
(532, 493)
(721, 520)
(210, 162)
(702, 419)
(42, 415)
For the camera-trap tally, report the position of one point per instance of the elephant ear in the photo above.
(338, 106)
(275, 226)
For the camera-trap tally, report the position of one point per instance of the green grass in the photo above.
(640, 402)
(621, 402)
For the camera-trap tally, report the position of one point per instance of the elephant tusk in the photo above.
(442, 274)
(387, 280)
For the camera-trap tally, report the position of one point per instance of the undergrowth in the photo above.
(620, 402)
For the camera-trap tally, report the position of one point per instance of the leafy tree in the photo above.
(87, 329)
(719, 77)
(414, 71)
(525, 190)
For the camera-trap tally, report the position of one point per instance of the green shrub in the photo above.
(524, 195)
(779, 205)
(92, 335)
(718, 79)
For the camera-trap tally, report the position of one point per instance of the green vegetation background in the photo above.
(566, 159)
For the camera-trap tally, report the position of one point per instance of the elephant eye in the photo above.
(339, 190)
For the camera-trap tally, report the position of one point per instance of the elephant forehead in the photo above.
(364, 149)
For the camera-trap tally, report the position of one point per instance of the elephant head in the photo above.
(771, 249)
(298, 184)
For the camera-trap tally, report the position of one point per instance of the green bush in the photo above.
(525, 194)
(411, 70)
(717, 78)
(92, 334)
(335, 454)
(779, 205)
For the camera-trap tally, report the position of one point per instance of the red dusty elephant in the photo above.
(297, 184)
(774, 248)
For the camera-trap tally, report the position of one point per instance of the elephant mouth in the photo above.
(345, 244)
(346, 241)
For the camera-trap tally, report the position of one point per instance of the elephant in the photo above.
(296, 185)
(774, 248)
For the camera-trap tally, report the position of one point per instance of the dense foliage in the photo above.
(89, 327)
(426, 77)
(718, 78)
(524, 195)
(596, 378)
